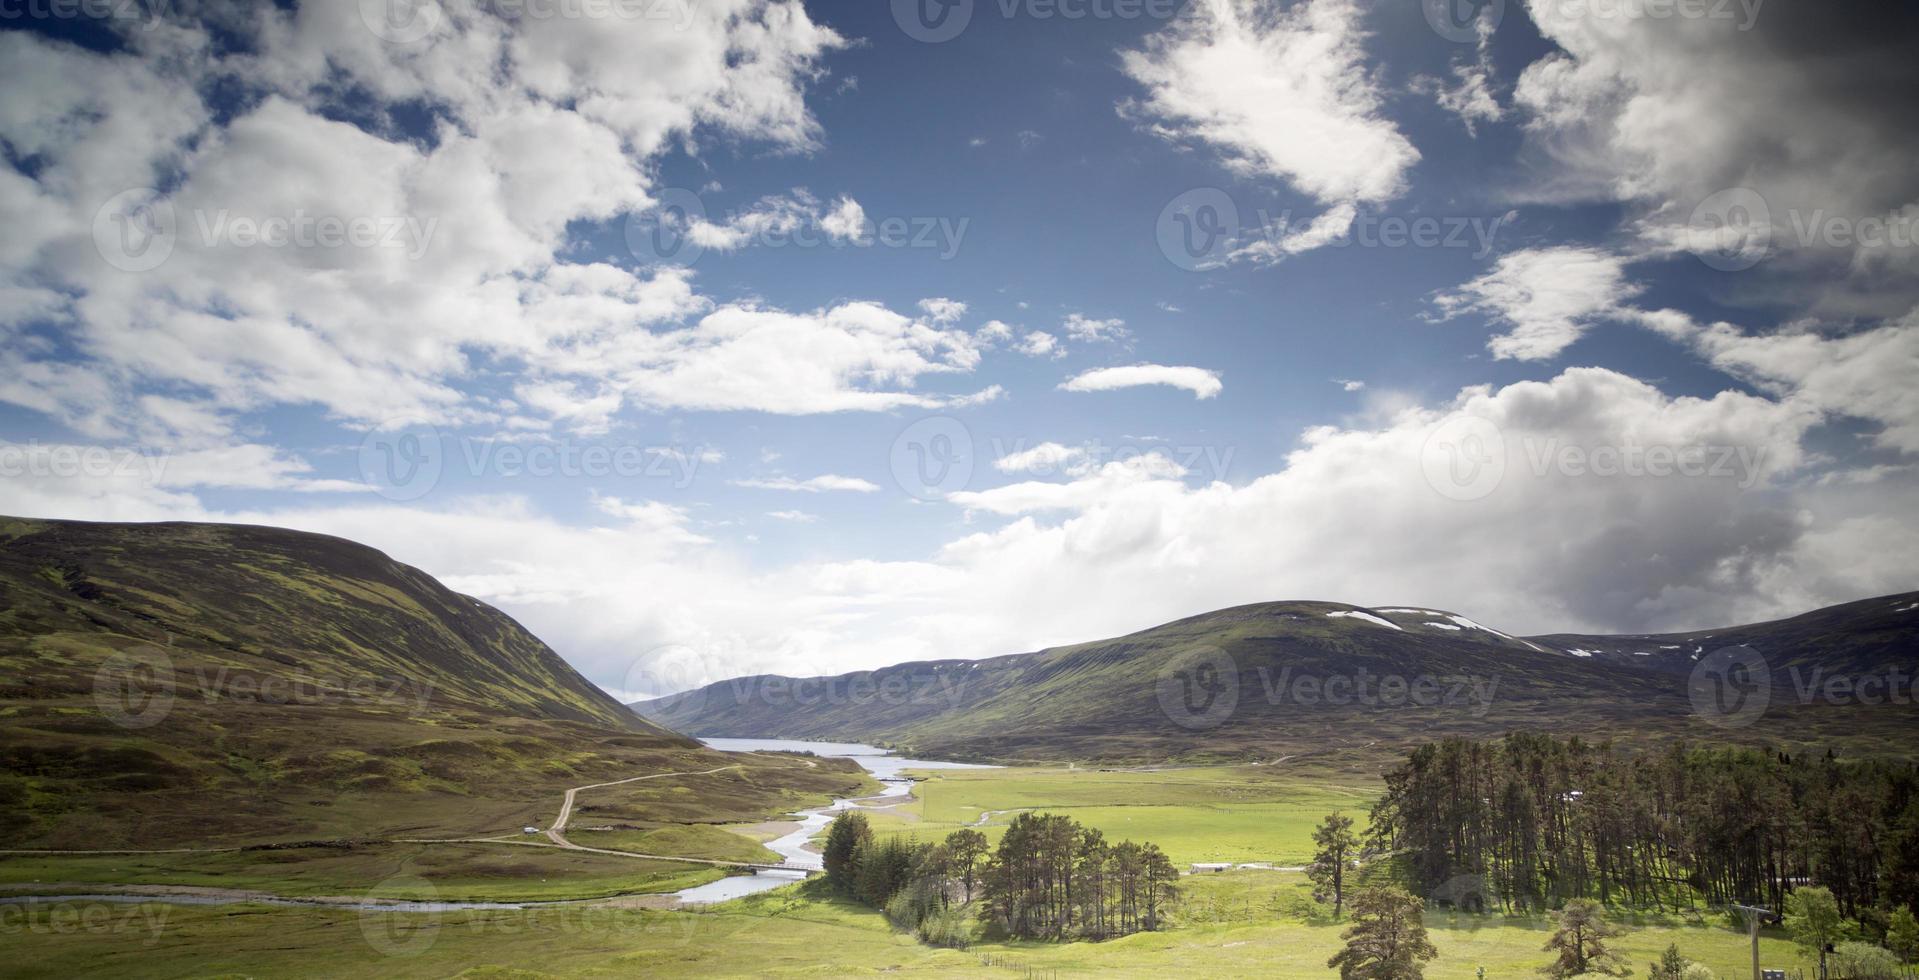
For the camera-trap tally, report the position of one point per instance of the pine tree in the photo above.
(1387, 940)
(849, 835)
(965, 848)
(1580, 941)
(1336, 845)
(1671, 966)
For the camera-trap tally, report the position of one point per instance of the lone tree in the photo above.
(845, 840)
(965, 848)
(1674, 966)
(1580, 941)
(1813, 919)
(1387, 940)
(1337, 844)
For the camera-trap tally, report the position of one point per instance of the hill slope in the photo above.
(198, 683)
(1298, 676)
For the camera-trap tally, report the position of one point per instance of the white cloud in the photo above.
(1043, 458)
(817, 484)
(793, 516)
(1281, 91)
(1864, 374)
(1547, 297)
(547, 122)
(1039, 343)
(1130, 544)
(1200, 381)
(1663, 113)
(1092, 329)
(1468, 96)
(780, 218)
(943, 311)
(847, 220)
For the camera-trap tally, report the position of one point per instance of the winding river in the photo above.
(884, 765)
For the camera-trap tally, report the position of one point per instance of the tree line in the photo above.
(1049, 878)
(1532, 821)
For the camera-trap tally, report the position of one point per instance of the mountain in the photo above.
(1314, 679)
(1854, 638)
(166, 684)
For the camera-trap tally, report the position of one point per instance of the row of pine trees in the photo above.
(1049, 878)
(1533, 821)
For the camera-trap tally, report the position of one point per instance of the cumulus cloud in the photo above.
(1200, 381)
(943, 311)
(1546, 297)
(549, 122)
(1099, 551)
(1280, 91)
(1664, 113)
(1863, 374)
(1039, 343)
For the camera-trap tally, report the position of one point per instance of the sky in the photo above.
(720, 337)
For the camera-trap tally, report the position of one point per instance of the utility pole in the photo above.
(1754, 917)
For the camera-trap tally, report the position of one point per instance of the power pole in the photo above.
(1754, 917)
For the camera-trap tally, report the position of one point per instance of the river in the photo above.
(884, 765)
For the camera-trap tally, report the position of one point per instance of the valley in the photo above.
(323, 763)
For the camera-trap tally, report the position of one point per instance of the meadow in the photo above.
(796, 931)
(1232, 924)
(1239, 814)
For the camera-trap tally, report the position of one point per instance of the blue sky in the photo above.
(1669, 234)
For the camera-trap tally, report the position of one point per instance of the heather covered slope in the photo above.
(171, 684)
(1305, 679)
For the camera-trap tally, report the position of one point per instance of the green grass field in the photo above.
(1236, 924)
(1231, 813)
(450, 872)
(790, 932)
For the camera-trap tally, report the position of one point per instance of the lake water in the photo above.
(884, 765)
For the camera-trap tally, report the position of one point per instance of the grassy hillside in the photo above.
(194, 684)
(1299, 679)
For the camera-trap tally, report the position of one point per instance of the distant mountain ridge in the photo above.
(1296, 672)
